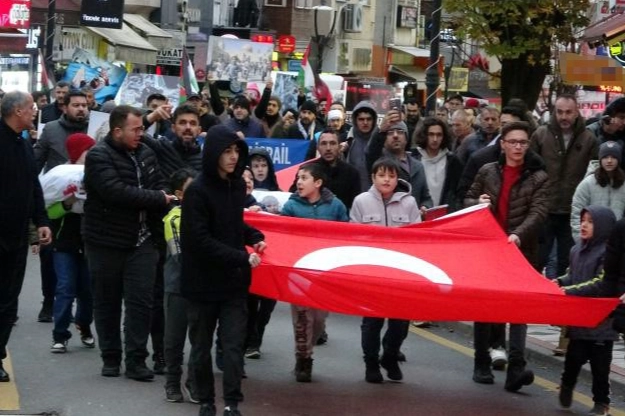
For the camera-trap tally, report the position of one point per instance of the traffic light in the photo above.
(183, 14)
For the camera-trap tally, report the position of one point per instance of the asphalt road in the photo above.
(437, 377)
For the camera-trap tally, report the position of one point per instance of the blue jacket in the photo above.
(328, 208)
(586, 275)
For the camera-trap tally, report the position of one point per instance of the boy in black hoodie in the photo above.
(216, 266)
(263, 170)
(586, 278)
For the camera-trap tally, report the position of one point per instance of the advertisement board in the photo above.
(102, 13)
(15, 14)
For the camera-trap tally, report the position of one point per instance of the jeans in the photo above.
(123, 275)
(175, 336)
(393, 337)
(482, 342)
(557, 228)
(599, 353)
(259, 313)
(203, 318)
(72, 282)
(308, 325)
(12, 269)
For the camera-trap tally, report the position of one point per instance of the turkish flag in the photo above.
(286, 177)
(455, 268)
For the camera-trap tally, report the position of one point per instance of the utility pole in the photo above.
(50, 29)
(432, 79)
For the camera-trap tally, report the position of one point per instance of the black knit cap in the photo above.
(310, 106)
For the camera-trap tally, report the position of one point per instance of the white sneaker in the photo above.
(498, 358)
(59, 347)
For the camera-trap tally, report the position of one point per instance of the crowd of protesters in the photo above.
(161, 211)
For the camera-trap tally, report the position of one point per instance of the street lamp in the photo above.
(448, 69)
(325, 21)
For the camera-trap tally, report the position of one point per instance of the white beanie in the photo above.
(333, 114)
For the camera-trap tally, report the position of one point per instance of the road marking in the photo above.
(544, 383)
(9, 397)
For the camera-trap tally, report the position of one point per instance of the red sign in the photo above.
(200, 74)
(15, 14)
(286, 44)
(262, 38)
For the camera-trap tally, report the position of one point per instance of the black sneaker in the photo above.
(110, 370)
(45, 314)
(252, 353)
(391, 365)
(483, 376)
(159, 363)
(86, 336)
(139, 372)
(600, 410)
(173, 394)
(373, 373)
(565, 396)
(323, 338)
(208, 409)
(231, 411)
(190, 392)
(59, 347)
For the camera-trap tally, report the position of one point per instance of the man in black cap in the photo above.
(241, 122)
(610, 127)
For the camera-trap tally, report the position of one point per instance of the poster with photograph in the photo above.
(98, 124)
(238, 60)
(103, 77)
(138, 87)
(286, 88)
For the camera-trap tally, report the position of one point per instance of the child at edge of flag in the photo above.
(387, 203)
(311, 200)
(586, 278)
(175, 304)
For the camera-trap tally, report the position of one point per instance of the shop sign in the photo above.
(617, 51)
(102, 13)
(294, 65)
(71, 38)
(33, 38)
(286, 44)
(15, 14)
(169, 57)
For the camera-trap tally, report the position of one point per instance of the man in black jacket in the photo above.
(213, 244)
(123, 219)
(21, 200)
(54, 110)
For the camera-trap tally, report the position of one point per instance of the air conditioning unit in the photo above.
(353, 18)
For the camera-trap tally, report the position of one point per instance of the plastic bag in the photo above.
(62, 182)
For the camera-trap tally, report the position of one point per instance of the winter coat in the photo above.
(358, 143)
(271, 182)
(589, 192)
(66, 229)
(215, 263)
(173, 266)
(451, 176)
(21, 196)
(471, 144)
(118, 199)
(51, 112)
(174, 154)
(329, 207)
(565, 167)
(342, 180)
(527, 208)
(586, 275)
(293, 132)
(596, 129)
(248, 126)
(415, 175)
(50, 150)
(401, 209)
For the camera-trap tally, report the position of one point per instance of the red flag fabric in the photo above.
(285, 177)
(457, 268)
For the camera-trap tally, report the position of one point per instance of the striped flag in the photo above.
(47, 83)
(188, 82)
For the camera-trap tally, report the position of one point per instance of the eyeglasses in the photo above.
(515, 143)
(392, 132)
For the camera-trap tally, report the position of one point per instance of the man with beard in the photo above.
(306, 127)
(364, 120)
(272, 114)
(241, 122)
(50, 150)
(413, 116)
(54, 110)
(487, 131)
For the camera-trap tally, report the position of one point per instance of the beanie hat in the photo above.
(76, 145)
(472, 103)
(310, 106)
(615, 107)
(335, 114)
(108, 106)
(241, 101)
(398, 126)
(610, 149)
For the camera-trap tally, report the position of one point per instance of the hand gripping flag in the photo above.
(458, 268)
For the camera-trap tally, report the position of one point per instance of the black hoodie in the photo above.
(214, 259)
(271, 182)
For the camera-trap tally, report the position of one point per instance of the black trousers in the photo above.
(123, 275)
(175, 337)
(557, 227)
(482, 342)
(259, 313)
(12, 269)
(48, 274)
(203, 318)
(157, 329)
(370, 330)
(599, 353)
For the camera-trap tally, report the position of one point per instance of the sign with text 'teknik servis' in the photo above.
(102, 13)
(15, 14)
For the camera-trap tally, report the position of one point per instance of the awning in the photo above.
(157, 37)
(611, 29)
(411, 50)
(406, 73)
(129, 45)
(481, 92)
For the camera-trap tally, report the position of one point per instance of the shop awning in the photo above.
(406, 73)
(611, 29)
(157, 37)
(129, 45)
(414, 51)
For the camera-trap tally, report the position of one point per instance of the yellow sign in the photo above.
(458, 79)
(616, 49)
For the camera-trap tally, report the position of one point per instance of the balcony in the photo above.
(143, 7)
